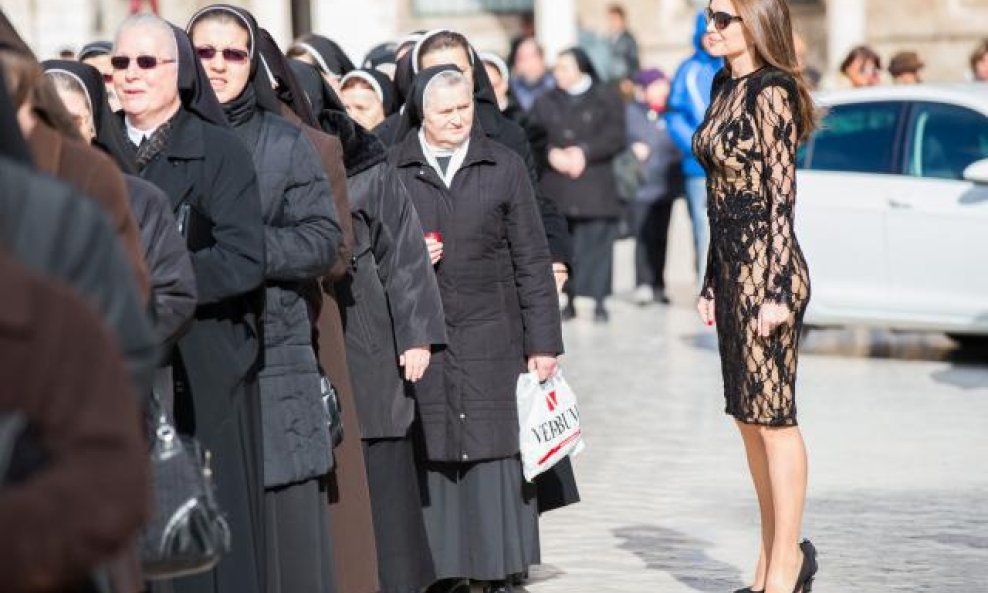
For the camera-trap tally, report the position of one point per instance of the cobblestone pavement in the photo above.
(897, 431)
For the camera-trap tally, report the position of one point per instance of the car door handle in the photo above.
(899, 204)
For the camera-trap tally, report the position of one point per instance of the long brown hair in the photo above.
(770, 27)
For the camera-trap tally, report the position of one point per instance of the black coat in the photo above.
(390, 299)
(594, 121)
(510, 134)
(56, 231)
(301, 236)
(205, 167)
(498, 296)
(173, 282)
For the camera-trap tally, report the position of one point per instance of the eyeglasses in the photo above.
(143, 62)
(237, 56)
(722, 20)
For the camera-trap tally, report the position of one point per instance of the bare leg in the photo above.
(754, 448)
(787, 470)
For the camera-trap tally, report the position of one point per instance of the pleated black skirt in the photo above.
(482, 519)
(299, 547)
(403, 556)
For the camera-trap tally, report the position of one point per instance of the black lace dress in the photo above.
(747, 145)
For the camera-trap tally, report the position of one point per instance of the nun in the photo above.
(301, 236)
(382, 57)
(584, 120)
(502, 319)
(442, 46)
(393, 321)
(97, 55)
(368, 96)
(173, 287)
(325, 54)
(349, 496)
(183, 145)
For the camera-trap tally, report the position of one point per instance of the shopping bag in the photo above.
(549, 423)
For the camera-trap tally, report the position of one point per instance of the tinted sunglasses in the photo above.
(722, 20)
(143, 62)
(230, 54)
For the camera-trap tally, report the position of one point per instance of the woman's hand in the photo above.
(543, 364)
(559, 160)
(577, 160)
(415, 360)
(771, 316)
(435, 250)
(561, 273)
(705, 307)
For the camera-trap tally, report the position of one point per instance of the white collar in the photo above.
(137, 135)
(457, 157)
(581, 87)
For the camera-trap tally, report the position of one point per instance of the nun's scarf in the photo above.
(110, 136)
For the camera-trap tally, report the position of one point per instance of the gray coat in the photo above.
(301, 236)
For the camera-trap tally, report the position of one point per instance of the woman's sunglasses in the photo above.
(143, 62)
(237, 56)
(722, 20)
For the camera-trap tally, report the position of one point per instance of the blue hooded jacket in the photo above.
(690, 97)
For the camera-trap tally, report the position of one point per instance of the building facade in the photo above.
(944, 32)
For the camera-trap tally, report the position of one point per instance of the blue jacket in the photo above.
(690, 98)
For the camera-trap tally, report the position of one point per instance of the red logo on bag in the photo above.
(551, 401)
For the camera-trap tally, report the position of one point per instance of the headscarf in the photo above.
(329, 57)
(12, 145)
(193, 85)
(583, 62)
(495, 60)
(379, 81)
(288, 88)
(95, 49)
(320, 94)
(259, 92)
(414, 113)
(483, 90)
(109, 135)
(381, 58)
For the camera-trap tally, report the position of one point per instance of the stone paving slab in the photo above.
(897, 431)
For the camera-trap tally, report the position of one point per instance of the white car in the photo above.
(893, 209)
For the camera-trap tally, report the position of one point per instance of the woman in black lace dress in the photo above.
(757, 283)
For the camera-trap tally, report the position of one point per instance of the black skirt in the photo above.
(403, 557)
(482, 519)
(299, 547)
(593, 257)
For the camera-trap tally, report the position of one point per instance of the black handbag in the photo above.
(331, 400)
(188, 533)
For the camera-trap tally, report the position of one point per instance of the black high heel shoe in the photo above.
(808, 569)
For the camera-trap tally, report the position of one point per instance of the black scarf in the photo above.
(329, 57)
(239, 111)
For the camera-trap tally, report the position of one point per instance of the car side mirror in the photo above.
(977, 172)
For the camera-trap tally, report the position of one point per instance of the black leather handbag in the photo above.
(331, 399)
(188, 533)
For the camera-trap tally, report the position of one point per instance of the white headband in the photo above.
(315, 56)
(366, 78)
(227, 9)
(85, 89)
(497, 62)
(425, 37)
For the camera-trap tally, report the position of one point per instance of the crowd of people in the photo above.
(194, 218)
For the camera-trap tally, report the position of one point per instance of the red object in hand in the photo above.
(435, 236)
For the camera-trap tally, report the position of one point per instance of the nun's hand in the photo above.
(435, 250)
(578, 161)
(416, 361)
(559, 160)
(543, 364)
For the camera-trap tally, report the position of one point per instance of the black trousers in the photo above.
(651, 227)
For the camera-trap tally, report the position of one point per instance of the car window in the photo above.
(944, 139)
(858, 138)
